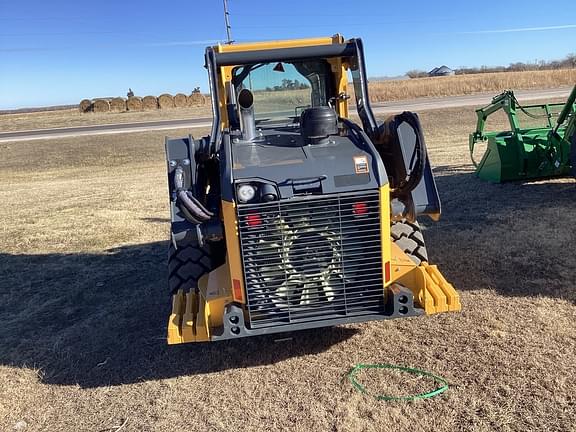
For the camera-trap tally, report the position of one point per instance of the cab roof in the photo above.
(279, 44)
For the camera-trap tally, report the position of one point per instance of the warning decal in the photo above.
(361, 164)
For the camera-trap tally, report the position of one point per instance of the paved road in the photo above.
(378, 108)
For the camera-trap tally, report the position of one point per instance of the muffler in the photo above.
(246, 110)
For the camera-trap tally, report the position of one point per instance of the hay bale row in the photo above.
(85, 105)
(134, 103)
(196, 100)
(147, 103)
(101, 106)
(180, 100)
(165, 101)
(118, 105)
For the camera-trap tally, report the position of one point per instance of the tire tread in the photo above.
(408, 236)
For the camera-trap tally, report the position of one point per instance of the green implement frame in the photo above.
(547, 150)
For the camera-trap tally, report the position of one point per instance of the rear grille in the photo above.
(312, 258)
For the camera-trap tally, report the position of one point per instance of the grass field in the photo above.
(380, 91)
(72, 117)
(84, 305)
(456, 85)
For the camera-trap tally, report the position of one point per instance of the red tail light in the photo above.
(254, 220)
(360, 208)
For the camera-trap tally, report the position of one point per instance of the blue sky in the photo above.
(58, 52)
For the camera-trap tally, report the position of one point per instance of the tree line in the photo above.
(288, 84)
(569, 62)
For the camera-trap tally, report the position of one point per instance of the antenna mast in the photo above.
(227, 21)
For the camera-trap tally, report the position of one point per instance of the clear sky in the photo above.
(60, 51)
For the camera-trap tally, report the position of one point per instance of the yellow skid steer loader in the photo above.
(289, 215)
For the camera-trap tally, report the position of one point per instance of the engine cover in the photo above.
(285, 159)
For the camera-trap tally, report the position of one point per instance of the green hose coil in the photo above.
(352, 377)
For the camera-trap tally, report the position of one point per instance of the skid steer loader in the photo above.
(289, 215)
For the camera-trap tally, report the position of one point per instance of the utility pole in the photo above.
(227, 21)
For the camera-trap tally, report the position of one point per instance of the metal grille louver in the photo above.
(312, 258)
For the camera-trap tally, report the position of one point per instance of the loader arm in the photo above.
(504, 101)
(568, 115)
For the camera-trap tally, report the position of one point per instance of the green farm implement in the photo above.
(540, 141)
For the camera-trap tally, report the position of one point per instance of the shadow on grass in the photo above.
(518, 238)
(100, 320)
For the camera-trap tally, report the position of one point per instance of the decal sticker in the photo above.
(361, 164)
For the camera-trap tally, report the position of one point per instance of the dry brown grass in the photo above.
(199, 105)
(381, 91)
(84, 307)
(72, 117)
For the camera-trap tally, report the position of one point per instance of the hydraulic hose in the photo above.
(413, 180)
(198, 212)
(193, 209)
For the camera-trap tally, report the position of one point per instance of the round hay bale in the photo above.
(180, 100)
(166, 101)
(101, 106)
(149, 103)
(85, 105)
(134, 103)
(196, 100)
(118, 105)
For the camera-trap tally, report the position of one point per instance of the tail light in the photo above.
(360, 208)
(253, 220)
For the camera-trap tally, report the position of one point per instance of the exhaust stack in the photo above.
(246, 109)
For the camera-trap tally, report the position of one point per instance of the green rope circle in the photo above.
(352, 377)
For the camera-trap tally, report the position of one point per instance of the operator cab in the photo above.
(277, 103)
(283, 90)
(281, 95)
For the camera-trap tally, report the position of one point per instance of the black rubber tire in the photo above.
(408, 236)
(186, 265)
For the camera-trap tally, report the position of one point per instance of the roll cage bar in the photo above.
(352, 50)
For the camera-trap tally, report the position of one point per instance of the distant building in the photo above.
(441, 71)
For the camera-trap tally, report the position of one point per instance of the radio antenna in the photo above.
(227, 21)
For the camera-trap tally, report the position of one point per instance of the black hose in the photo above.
(534, 116)
(413, 180)
(193, 210)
